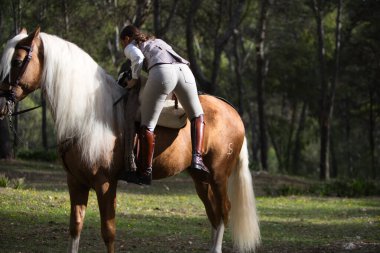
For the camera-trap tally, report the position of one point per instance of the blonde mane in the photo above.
(81, 95)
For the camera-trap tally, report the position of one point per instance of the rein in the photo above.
(26, 110)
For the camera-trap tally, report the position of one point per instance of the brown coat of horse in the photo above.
(228, 197)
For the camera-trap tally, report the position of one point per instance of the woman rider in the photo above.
(168, 72)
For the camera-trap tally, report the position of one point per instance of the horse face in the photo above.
(25, 72)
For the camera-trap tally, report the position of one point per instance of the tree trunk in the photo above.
(141, 12)
(190, 45)
(371, 134)
(347, 122)
(16, 9)
(65, 13)
(255, 147)
(327, 93)
(297, 142)
(157, 18)
(260, 82)
(331, 97)
(290, 137)
(324, 122)
(220, 42)
(5, 142)
(238, 73)
(334, 162)
(277, 150)
(44, 123)
(159, 30)
(1, 21)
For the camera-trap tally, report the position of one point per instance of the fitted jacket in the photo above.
(157, 51)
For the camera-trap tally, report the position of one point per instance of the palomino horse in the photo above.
(90, 135)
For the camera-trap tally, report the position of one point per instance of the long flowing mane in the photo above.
(81, 95)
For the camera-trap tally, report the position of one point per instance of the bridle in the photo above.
(10, 94)
(25, 63)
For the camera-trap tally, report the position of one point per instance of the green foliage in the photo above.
(4, 181)
(15, 183)
(335, 188)
(18, 183)
(38, 155)
(347, 188)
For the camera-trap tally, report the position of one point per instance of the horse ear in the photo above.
(35, 33)
(23, 31)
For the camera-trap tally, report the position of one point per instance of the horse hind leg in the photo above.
(217, 238)
(216, 207)
(78, 200)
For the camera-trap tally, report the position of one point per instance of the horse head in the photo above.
(21, 69)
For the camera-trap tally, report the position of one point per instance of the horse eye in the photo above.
(16, 63)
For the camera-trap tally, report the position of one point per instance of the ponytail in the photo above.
(135, 33)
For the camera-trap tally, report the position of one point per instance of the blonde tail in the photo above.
(243, 218)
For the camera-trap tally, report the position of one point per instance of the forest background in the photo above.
(303, 74)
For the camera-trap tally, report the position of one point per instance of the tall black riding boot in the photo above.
(145, 159)
(197, 165)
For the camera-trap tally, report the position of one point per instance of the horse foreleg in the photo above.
(106, 194)
(78, 200)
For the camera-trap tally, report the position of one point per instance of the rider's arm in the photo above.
(133, 53)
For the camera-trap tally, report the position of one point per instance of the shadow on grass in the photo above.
(24, 232)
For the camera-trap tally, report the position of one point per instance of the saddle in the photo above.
(172, 115)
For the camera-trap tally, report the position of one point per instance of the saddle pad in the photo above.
(172, 117)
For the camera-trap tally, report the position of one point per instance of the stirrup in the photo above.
(199, 168)
(130, 177)
(146, 177)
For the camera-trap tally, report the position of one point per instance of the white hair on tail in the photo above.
(81, 95)
(243, 215)
(5, 65)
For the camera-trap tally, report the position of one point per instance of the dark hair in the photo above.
(134, 32)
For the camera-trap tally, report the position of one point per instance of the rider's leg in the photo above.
(197, 129)
(161, 82)
(186, 91)
(146, 155)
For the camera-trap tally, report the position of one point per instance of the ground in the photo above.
(169, 217)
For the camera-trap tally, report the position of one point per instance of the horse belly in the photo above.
(172, 152)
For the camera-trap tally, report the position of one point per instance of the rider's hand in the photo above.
(131, 83)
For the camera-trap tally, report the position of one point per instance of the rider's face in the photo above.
(124, 42)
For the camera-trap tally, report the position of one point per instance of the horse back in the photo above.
(223, 139)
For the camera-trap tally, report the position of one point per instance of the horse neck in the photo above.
(81, 95)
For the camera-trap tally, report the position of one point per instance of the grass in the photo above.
(169, 217)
